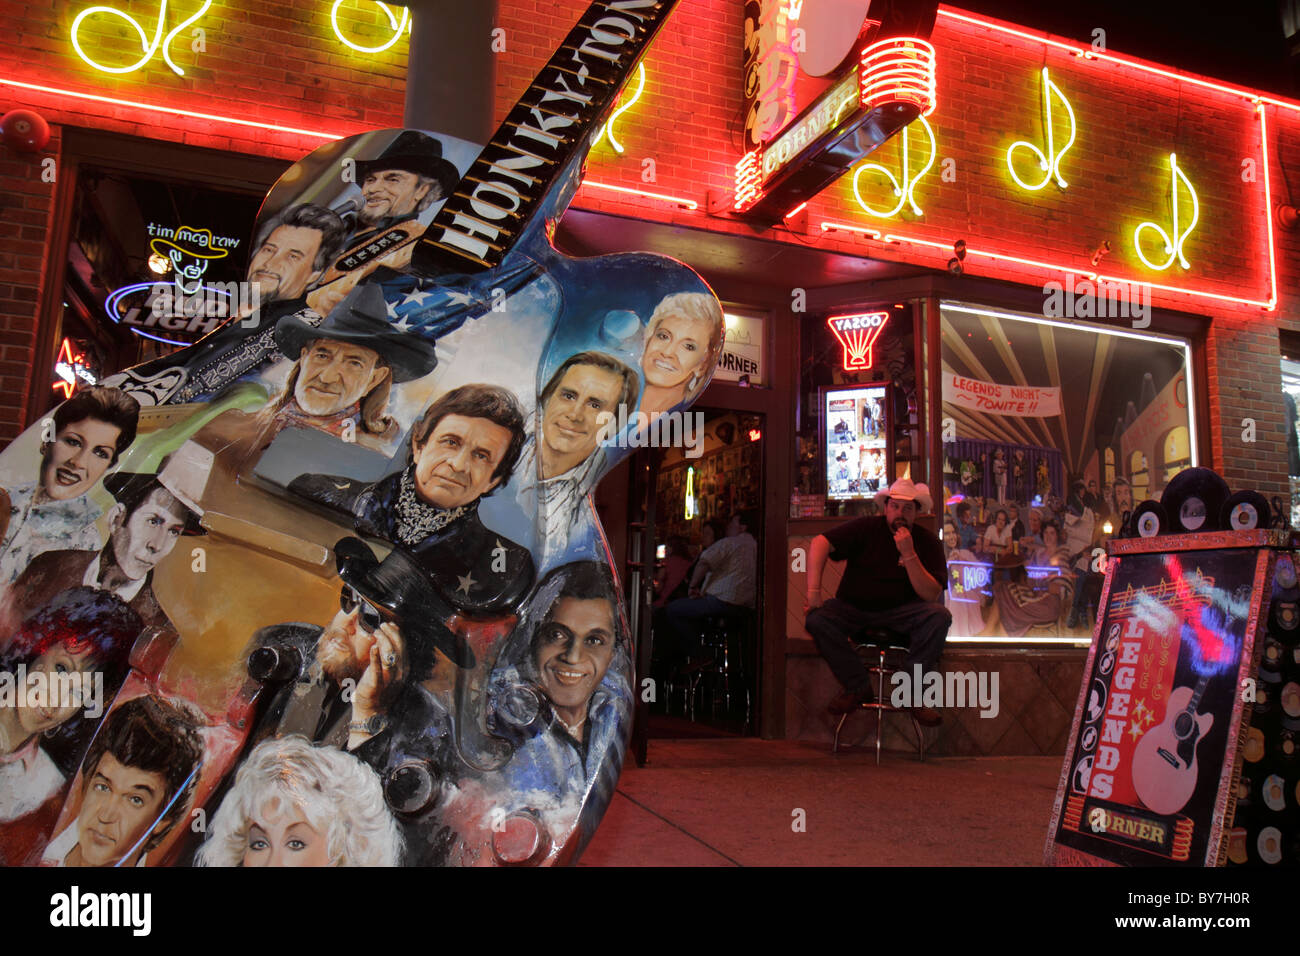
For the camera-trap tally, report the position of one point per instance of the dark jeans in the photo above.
(686, 616)
(921, 625)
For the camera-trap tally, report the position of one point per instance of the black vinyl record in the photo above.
(1193, 500)
(1245, 511)
(1150, 519)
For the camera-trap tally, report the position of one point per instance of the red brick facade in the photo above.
(279, 63)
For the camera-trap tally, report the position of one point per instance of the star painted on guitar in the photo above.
(466, 582)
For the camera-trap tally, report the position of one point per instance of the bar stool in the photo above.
(882, 655)
(722, 642)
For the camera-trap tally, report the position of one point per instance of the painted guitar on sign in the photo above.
(337, 560)
(1164, 763)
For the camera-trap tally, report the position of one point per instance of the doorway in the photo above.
(706, 668)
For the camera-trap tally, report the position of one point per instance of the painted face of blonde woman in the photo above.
(678, 348)
(282, 836)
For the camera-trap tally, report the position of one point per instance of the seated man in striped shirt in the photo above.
(723, 582)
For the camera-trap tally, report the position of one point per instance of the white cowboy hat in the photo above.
(904, 490)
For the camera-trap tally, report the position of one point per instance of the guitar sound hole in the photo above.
(1183, 725)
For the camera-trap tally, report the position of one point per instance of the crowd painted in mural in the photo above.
(334, 569)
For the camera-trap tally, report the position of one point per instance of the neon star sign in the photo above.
(149, 47)
(396, 24)
(857, 333)
(1172, 244)
(1049, 163)
(71, 366)
(906, 191)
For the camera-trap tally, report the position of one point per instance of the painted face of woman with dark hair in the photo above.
(77, 458)
(37, 713)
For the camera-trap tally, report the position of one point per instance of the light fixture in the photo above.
(159, 264)
(956, 263)
(1102, 250)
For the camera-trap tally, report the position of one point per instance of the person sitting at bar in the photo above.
(730, 566)
(671, 582)
(895, 575)
(997, 536)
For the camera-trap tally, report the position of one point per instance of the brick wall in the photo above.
(280, 63)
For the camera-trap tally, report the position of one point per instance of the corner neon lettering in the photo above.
(906, 192)
(1172, 244)
(398, 27)
(1050, 162)
(149, 47)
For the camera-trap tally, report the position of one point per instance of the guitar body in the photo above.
(1164, 761)
(385, 577)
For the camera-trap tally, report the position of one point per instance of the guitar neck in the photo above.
(1196, 694)
(549, 126)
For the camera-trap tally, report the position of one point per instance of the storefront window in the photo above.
(131, 236)
(1053, 429)
(1291, 398)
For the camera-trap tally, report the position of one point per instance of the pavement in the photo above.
(750, 802)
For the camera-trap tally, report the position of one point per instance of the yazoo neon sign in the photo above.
(1049, 162)
(396, 24)
(148, 47)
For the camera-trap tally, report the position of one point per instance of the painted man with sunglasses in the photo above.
(356, 682)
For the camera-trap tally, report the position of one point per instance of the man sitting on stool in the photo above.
(895, 575)
(729, 566)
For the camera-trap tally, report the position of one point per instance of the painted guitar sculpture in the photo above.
(1164, 762)
(345, 579)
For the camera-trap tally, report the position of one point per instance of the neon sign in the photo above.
(149, 47)
(770, 68)
(1050, 162)
(899, 70)
(1173, 244)
(398, 27)
(71, 366)
(608, 131)
(690, 492)
(857, 333)
(905, 192)
(196, 313)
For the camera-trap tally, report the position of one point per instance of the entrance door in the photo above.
(705, 668)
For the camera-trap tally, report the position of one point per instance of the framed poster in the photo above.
(856, 424)
(1150, 765)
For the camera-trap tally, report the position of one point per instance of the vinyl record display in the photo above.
(1245, 511)
(1193, 500)
(1150, 519)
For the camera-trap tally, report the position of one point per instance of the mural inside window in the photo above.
(1291, 397)
(1052, 432)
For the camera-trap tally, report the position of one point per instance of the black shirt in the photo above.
(874, 580)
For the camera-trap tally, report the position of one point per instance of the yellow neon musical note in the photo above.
(906, 192)
(1173, 246)
(1049, 162)
(149, 48)
(398, 28)
(608, 129)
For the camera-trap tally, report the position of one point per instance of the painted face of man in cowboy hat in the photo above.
(350, 353)
(405, 179)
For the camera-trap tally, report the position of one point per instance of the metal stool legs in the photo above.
(879, 706)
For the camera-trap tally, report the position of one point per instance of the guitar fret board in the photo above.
(570, 97)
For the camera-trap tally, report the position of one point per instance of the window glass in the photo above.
(1054, 432)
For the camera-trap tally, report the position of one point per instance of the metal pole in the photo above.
(451, 69)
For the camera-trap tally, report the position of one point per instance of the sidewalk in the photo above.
(732, 802)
